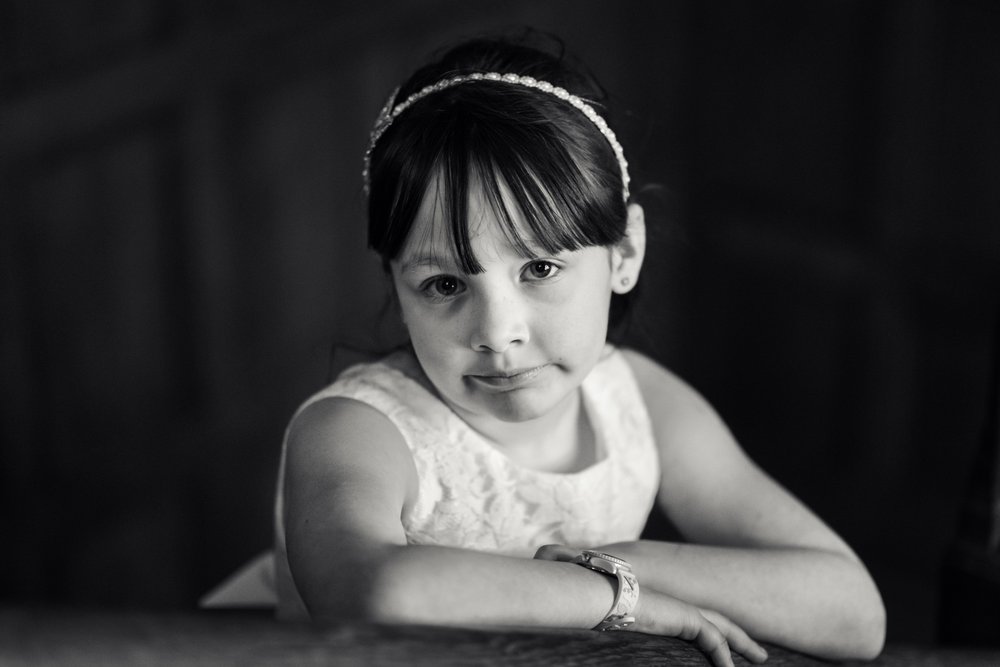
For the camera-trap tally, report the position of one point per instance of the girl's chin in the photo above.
(517, 406)
(516, 414)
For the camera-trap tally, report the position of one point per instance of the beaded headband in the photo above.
(390, 113)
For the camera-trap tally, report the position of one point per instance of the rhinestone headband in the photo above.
(390, 113)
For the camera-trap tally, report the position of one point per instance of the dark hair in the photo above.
(560, 170)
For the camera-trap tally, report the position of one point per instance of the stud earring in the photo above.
(625, 281)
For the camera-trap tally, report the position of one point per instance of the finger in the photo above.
(738, 639)
(707, 637)
(714, 644)
(558, 552)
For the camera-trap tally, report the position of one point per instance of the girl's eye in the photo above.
(444, 286)
(540, 270)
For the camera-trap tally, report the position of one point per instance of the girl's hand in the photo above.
(660, 614)
(713, 633)
(558, 552)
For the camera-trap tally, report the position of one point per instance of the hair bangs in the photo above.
(531, 158)
(534, 186)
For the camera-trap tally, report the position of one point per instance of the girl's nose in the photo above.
(499, 322)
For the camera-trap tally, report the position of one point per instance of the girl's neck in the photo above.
(561, 440)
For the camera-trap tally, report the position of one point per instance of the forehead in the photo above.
(490, 232)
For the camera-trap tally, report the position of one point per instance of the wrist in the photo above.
(622, 612)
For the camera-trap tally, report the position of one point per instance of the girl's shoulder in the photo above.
(676, 409)
(657, 383)
(698, 453)
(362, 410)
(337, 438)
(381, 382)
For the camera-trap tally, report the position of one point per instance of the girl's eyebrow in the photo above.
(424, 261)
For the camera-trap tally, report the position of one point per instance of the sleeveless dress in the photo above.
(470, 495)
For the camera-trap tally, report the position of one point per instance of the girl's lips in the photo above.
(507, 380)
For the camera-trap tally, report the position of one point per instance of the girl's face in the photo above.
(510, 343)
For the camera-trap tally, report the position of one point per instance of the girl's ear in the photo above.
(627, 254)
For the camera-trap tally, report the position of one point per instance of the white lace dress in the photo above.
(470, 495)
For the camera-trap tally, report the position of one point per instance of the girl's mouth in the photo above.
(506, 380)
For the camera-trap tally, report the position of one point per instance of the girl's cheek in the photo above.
(436, 324)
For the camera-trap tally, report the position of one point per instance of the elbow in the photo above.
(862, 633)
(390, 595)
(859, 638)
(375, 591)
(853, 620)
(868, 641)
(871, 627)
(386, 606)
(367, 605)
(865, 618)
(871, 636)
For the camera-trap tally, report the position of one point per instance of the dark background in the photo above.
(182, 239)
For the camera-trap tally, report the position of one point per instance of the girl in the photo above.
(500, 469)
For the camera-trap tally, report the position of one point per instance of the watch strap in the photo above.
(627, 594)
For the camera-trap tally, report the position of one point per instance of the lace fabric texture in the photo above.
(470, 495)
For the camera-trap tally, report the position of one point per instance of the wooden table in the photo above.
(75, 637)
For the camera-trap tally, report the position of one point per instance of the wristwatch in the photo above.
(620, 616)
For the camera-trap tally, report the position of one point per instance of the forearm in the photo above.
(446, 586)
(816, 601)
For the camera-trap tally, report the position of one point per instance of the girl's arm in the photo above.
(770, 564)
(349, 476)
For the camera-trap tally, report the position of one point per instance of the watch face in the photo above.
(594, 558)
